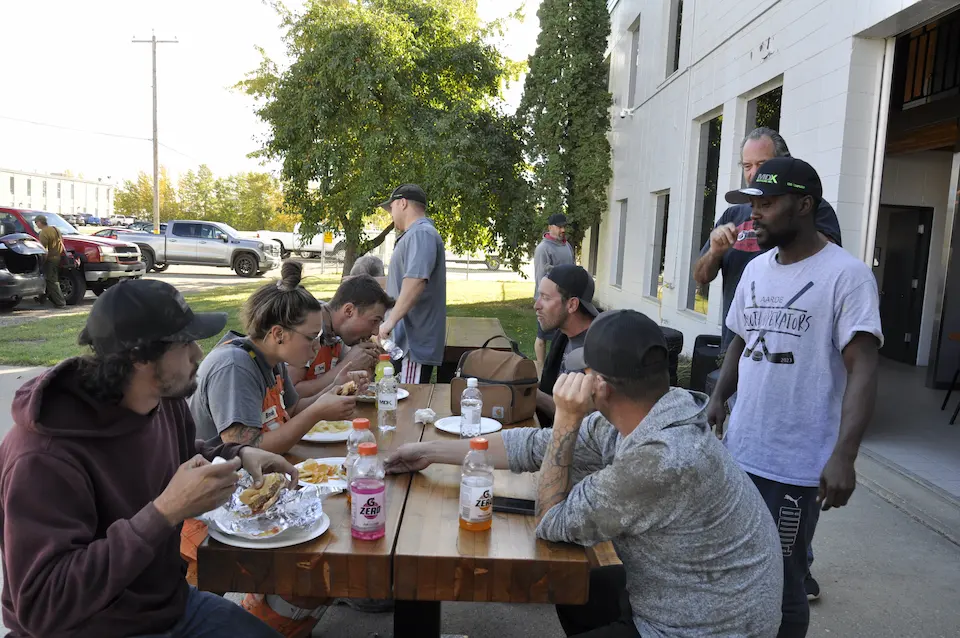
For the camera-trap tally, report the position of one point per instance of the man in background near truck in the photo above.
(552, 251)
(418, 281)
(52, 240)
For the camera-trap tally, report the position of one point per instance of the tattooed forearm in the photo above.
(555, 479)
(243, 434)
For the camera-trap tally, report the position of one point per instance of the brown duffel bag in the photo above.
(507, 380)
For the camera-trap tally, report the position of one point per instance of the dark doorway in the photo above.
(900, 265)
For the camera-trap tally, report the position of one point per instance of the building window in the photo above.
(594, 248)
(659, 246)
(11, 184)
(673, 40)
(708, 173)
(59, 190)
(44, 189)
(621, 245)
(96, 195)
(72, 191)
(28, 187)
(634, 63)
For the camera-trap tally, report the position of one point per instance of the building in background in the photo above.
(56, 193)
(867, 92)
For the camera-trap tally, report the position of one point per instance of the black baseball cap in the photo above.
(780, 176)
(141, 311)
(557, 219)
(616, 343)
(576, 281)
(406, 191)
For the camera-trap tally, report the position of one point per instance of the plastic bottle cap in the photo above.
(361, 424)
(471, 382)
(388, 371)
(367, 449)
(384, 357)
(479, 443)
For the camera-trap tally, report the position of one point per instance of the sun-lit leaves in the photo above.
(382, 92)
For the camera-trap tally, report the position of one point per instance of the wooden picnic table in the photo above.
(436, 561)
(334, 564)
(464, 334)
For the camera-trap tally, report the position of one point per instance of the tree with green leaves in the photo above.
(135, 198)
(565, 111)
(383, 92)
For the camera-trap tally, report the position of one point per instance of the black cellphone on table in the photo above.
(514, 505)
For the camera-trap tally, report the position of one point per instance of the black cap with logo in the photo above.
(140, 311)
(406, 191)
(557, 219)
(576, 281)
(780, 176)
(616, 344)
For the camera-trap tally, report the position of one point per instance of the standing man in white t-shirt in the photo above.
(806, 320)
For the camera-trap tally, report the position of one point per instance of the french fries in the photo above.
(330, 427)
(313, 472)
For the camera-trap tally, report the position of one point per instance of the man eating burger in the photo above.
(99, 472)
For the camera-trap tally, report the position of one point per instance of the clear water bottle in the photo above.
(476, 488)
(387, 400)
(368, 506)
(471, 406)
(359, 434)
(392, 349)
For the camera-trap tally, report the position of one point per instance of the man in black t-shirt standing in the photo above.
(733, 242)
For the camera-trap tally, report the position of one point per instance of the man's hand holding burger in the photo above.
(197, 487)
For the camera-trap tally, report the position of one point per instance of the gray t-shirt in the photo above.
(573, 343)
(699, 546)
(550, 252)
(231, 386)
(419, 254)
(796, 320)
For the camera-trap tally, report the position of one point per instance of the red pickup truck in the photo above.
(93, 263)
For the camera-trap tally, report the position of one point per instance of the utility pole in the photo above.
(156, 150)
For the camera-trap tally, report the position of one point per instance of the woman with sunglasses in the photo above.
(245, 395)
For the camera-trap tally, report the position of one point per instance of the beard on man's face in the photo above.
(175, 386)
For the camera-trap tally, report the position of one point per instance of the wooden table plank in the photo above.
(435, 560)
(469, 333)
(334, 564)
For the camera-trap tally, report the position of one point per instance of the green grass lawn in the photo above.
(48, 341)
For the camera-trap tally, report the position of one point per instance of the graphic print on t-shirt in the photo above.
(746, 238)
(772, 315)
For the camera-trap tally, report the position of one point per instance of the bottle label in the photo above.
(476, 503)
(368, 511)
(387, 402)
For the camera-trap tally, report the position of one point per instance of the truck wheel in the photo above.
(149, 261)
(284, 253)
(160, 267)
(245, 266)
(8, 305)
(493, 263)
(73, 286)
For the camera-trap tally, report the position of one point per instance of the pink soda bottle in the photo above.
(368, 502)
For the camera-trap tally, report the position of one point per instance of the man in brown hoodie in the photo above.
(99, 472)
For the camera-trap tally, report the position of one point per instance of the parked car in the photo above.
(330, 244)
(21, 267)
(203, 243)
(94, 263)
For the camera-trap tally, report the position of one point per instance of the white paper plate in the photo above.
(451, 424)
(331, 460)
(328, 437)
(401, 395)
(284, 539)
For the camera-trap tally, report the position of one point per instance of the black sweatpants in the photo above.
(794, 512)
(607, 613)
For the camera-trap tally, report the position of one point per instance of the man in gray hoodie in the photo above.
(552, 251)
(698, 545)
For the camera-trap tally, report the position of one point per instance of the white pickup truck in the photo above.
(330, 244)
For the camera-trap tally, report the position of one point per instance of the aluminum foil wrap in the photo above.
(299, 509)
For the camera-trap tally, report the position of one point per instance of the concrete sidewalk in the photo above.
(884, 570)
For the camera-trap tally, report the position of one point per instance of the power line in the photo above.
(92, 132)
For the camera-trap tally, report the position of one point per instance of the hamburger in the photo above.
(262, 498)
(348, 389)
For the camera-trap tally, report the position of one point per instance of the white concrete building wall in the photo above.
(77, 196)
(732, 51)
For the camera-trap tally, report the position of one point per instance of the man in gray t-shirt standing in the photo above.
(803, 360)
(553, 250)
(418, 281)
